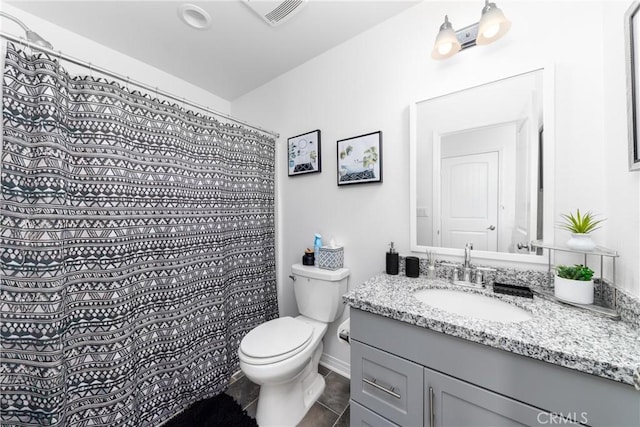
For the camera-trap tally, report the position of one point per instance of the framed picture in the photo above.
(360, 159)
(304, 153)
(632, 29)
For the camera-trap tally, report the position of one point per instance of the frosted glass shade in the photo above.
(446, 44)
(493, 25)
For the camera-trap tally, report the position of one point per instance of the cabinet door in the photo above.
(387, 384)
(362, 417)
(451, 402)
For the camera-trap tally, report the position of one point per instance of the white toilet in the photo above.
(282, 355)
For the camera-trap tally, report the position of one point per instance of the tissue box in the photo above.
(331, 258)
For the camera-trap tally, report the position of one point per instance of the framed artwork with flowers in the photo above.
(360, 159)
(304, 153)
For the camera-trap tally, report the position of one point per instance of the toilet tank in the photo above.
(319, 291)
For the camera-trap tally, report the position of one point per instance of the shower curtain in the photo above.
(137, 249)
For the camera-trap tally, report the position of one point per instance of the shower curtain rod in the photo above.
(123, 78)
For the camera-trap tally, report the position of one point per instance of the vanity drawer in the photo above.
(387, 384)
(362, 417)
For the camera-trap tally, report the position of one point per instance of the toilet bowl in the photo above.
(282, 355)
(293, 379)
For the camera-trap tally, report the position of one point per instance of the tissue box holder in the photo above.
(331, 258)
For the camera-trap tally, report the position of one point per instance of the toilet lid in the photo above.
(277, 337)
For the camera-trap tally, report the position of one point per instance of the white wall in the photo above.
(367, 84)
(101, 56)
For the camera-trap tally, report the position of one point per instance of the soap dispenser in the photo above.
(392, 260)
(317, 243)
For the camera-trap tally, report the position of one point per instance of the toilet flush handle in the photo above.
(292, 277)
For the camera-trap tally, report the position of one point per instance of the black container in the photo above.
(308, 259)
(412, 266)
(392, 263)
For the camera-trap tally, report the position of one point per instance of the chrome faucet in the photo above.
(467, 262)
(475, 277)
(467, 255)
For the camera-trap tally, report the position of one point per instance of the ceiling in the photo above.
(237, 54)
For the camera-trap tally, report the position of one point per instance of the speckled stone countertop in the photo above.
(557, 333)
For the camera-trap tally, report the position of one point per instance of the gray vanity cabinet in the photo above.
(451, 402)
(403, 375)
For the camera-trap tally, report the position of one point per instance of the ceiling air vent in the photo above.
(275, 13)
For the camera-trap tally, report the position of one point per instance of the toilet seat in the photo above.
(275, 340)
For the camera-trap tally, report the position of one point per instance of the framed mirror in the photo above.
(632, 45)
(481, 169)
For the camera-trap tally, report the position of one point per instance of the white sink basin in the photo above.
(472, 305)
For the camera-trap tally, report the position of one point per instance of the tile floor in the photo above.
(331, 409)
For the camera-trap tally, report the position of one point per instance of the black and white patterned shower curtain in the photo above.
(137, 249)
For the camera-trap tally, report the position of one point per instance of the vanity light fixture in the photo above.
(492, 26)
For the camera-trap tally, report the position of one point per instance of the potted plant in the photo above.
(574, 284)
(580, 226)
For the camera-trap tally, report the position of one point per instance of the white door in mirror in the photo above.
(470, 201)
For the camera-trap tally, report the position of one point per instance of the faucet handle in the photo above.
(455, 268)
(478, 277)
(480, 271)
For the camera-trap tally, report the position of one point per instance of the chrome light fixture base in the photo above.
(467, 36)
(492, 26)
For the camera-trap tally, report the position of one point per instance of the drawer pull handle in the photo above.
(373, 383)
(432, 415)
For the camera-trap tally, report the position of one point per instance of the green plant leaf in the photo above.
(580, 223)
(575, 272)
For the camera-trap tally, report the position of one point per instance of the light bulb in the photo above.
(493, 24)
(444, 48)
(491, 31)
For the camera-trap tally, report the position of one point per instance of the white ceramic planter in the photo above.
(578, 291)
(581, 242)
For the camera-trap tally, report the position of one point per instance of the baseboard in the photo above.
(236, 376)
(336, 365)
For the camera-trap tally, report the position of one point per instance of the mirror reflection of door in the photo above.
(476, 187)
(470, 201)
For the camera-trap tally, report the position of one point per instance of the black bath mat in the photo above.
(218, 411)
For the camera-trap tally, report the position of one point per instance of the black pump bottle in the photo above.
(392, 260)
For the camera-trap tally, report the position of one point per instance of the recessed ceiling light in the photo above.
(194, 16)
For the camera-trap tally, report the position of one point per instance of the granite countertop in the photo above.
(557, 333)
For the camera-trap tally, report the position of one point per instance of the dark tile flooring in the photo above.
(331, 409)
